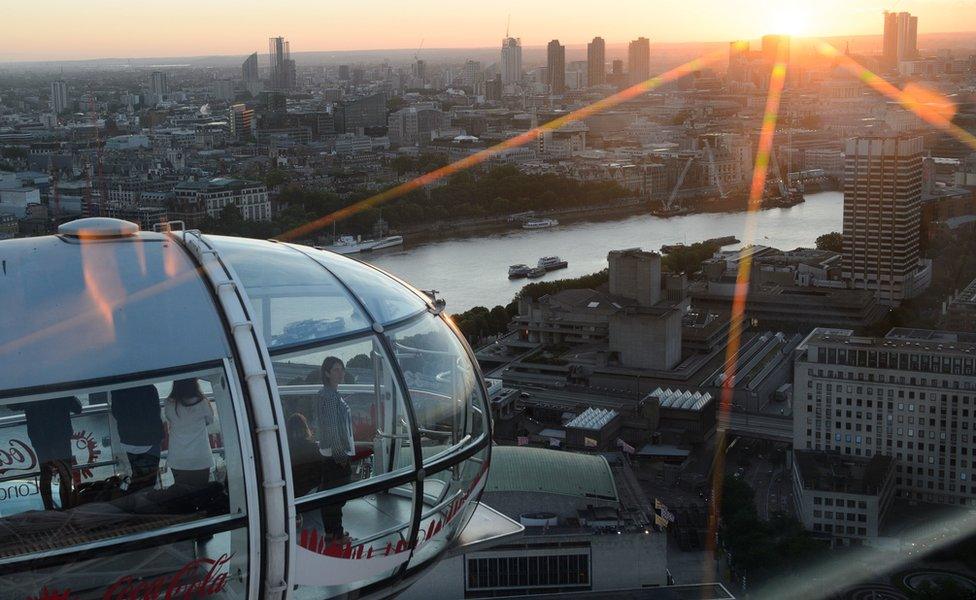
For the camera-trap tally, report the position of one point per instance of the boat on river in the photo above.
(551, 263)
(539, 223)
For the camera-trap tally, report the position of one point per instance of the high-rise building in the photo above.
(882, 199)
(158, 83)
(909, 395)
(59, 96)
(556, 67)
(249, 70)
(596, 57)
(470, 73)
(900, 38)
(639, 60)
(617, 67)
(511, 62)
(420, 71)
(773, 45)
(282, 67)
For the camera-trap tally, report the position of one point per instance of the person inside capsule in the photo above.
(335, 437)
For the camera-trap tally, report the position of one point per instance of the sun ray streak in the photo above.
(513, 142)
(915, 101)
(763, 154)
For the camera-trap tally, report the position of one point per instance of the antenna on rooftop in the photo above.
(508, 21)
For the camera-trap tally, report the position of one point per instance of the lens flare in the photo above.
(514, 142)
(759, 171)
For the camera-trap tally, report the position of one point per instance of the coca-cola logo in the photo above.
(17, 456)
(185, 584)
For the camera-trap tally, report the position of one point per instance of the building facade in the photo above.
(639, 60)
(198, 199)
(596, 58)
(882, 203)
(842, 498)
(910, 395)
(556, 67)
(511, 63)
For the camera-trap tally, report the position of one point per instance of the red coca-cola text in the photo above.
(185, 584)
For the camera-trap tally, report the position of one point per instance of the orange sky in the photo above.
(72, 29)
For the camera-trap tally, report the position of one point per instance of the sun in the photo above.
(787, 19)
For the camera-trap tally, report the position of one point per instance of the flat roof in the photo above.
(829, 472)
(527, 469)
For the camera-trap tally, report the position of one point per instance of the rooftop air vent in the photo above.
(98, 227)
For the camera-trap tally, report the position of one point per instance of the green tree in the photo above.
(833, 241)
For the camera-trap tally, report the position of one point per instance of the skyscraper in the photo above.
(596, 58)
(282, 67)
(469, 75)
(158, 84)
(511, 62)
(900, 38)
(639, 60)
(59, 96)
(882, 200)
(556, 67)
(249, 70)
(772, 45)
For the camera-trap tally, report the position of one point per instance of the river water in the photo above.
(473, 271)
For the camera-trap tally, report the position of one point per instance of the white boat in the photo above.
(536, 273)
(551, 263)
(518, 271)
(346, 244)
(387, 242)
(539, 223)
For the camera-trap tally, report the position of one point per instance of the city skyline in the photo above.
(318, 28)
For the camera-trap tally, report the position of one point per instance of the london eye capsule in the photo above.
(193, 416)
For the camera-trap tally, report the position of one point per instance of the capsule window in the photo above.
(96, 467)
(444, 390)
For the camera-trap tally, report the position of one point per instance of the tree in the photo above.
(833, 241)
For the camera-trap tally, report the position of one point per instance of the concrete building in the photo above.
(198, 199)
(356, 113)
(642, 330)
(596, 62)
(556, 67)
(900, 38)
(158, 84)
(412, 126)
(910, 395)
(581, 534)
(961, 312)
(282, 76)
(882, 201)
(59, 96)
(842, 498)
(639, 60)
(511, 61)
(15, 198)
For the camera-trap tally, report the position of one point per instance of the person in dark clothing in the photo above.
(335, 438)
(306, 462)
(49, 429)
(140, 426)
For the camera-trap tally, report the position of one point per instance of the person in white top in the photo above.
(188, 414)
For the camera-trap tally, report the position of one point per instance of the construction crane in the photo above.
(713, 170)
(416, 55)
(669, 205)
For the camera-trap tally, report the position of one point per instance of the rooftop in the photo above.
(526, 469)
(828, 472)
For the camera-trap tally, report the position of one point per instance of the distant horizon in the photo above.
(67, 31)
(262, 55)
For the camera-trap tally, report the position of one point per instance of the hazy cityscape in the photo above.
(617, 318)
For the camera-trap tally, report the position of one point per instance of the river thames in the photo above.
(473, 271)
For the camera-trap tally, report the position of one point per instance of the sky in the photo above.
(81, 29)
